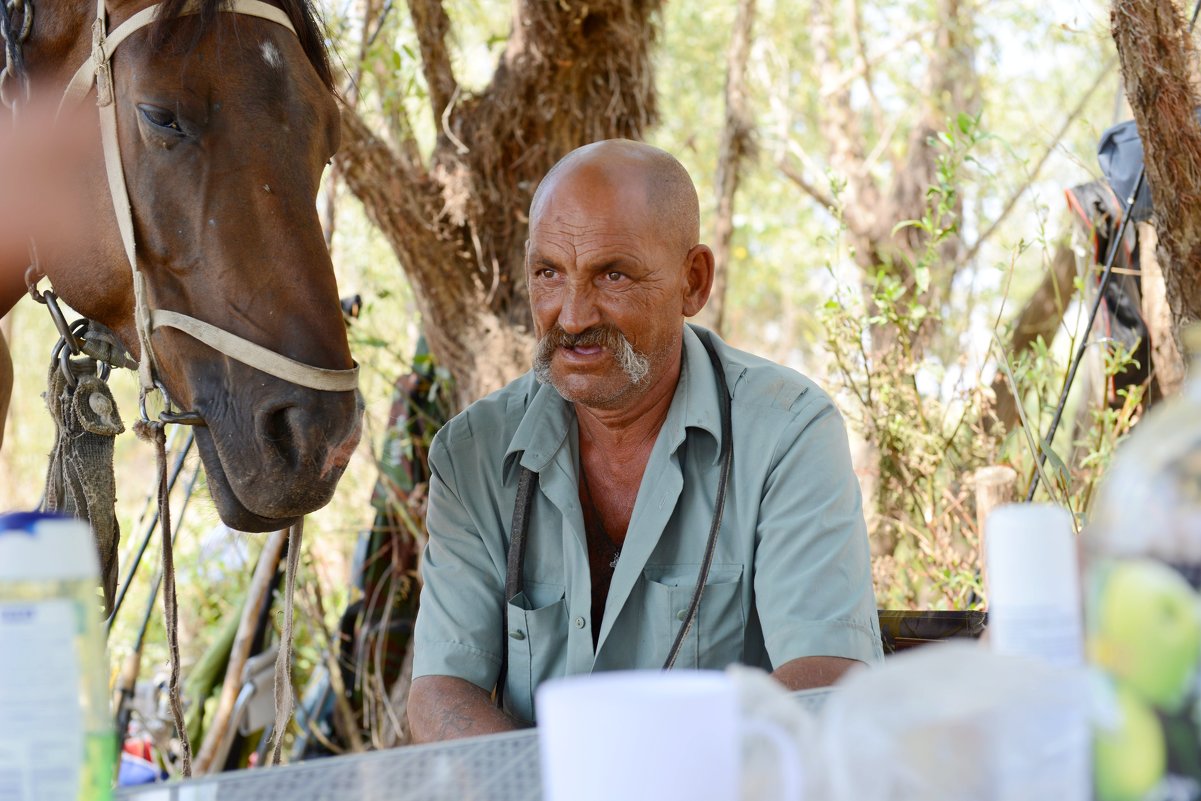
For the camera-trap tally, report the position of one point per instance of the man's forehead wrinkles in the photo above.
(589, 234)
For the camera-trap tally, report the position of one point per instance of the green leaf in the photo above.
(1061, 473)
(921, 277)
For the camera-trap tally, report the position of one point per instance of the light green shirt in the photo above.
(791, 574)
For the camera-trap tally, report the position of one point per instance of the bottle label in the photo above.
(1144, 636)
(41, 722)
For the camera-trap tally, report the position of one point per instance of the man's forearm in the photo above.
(447, 708)
(808, 672)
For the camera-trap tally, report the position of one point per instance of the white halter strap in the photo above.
(98, 71)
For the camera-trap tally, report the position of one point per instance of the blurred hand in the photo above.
(41, 191)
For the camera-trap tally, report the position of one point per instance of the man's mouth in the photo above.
(585, 350)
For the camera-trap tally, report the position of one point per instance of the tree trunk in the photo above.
(572, 73)
(735, 147)
(1169, 366)
(1156, 55)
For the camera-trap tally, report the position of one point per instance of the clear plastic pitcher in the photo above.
(1143, 605)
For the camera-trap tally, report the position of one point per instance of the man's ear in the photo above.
(698, 279)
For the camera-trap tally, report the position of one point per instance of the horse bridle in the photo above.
(97, 72)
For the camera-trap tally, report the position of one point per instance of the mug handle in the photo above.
(787, 757)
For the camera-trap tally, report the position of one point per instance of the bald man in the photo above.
(618, 433)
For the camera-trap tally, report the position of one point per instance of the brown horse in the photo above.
(225, 123)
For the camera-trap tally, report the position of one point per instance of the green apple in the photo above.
(1130, 758)
(1147, 632)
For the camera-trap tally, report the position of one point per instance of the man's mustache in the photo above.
(606, 336)
(633, 364)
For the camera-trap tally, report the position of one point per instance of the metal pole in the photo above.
(1114, 244)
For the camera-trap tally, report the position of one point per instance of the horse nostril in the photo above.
(279, 428)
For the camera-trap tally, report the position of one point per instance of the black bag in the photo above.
(1121, 155)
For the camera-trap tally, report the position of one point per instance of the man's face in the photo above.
(606, 288)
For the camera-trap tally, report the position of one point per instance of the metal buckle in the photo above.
(63, 352)
(168, 414)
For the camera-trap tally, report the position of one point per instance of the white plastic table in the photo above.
(498, 767)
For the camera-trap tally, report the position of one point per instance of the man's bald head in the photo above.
(670, 194)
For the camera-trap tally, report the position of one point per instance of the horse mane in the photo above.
(302, 13)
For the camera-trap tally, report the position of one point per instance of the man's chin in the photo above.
(592, 391)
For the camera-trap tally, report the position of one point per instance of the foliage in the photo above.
(929, 419)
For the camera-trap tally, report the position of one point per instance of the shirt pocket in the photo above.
(716, 637)
(536, 640)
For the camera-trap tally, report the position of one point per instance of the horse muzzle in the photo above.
(269, 468)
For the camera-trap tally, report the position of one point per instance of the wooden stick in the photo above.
(995, 485)
(256, 597)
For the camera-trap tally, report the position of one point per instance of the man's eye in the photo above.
(545, 272)
(614, 276)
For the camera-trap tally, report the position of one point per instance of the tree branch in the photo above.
(1032, 175)
(864, 66)
(838, 122)
(736, 144)
(396, 195)
(432, 25)
(826, 200)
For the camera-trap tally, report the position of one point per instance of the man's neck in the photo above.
(619, 433)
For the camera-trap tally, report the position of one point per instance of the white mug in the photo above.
(651, 736)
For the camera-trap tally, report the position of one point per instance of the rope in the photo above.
(153, 432)
(283, 657)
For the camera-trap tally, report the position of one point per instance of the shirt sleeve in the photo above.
(813, 583)
(459, 621)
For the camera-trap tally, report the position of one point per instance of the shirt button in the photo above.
(579, 622)
(683, 613)
(517, 634)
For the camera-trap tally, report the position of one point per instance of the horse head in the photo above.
(225, 123)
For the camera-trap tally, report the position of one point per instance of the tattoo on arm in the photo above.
(455, 720)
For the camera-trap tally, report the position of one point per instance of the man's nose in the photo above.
(579, 311)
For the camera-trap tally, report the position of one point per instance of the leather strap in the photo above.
(527, 485)
(84, 77)
(257, 356)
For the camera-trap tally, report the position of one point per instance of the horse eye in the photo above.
(160, 118)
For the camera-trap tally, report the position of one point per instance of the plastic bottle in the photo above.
(1143, 607)
(57, 741)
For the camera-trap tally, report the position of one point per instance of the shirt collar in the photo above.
(548, 419)
(696, 399)
(544, 426)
